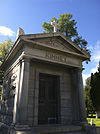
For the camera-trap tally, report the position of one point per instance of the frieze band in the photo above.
(56, 57)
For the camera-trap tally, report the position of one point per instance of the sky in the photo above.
(30, 15)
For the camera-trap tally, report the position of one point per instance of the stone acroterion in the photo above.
(20, 31)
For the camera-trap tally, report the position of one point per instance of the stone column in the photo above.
(23, 92)
(82, 111)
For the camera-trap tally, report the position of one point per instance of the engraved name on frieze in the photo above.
(55, 57)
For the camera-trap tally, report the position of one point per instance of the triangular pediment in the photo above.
(57, 41)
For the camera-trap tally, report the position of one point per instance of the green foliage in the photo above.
(67, 26)
(88, 101)
(5, 47)
(47, 27)
(95, 89)
(92, 92)
(82, 43)
(96, 121)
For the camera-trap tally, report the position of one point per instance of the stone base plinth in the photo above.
(47, 129)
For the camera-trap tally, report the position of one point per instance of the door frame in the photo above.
(37, 71)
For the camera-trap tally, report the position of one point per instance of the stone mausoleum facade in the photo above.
(42, 88)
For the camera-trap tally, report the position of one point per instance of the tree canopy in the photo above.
(68, 27)
(92, 92)
(88, 101)
(95, 89)
(5, 47)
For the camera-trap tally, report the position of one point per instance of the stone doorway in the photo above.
(48, 108)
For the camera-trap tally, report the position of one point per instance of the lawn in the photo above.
(96, 121)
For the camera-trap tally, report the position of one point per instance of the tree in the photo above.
(67, 26)
(5, 47)
(95, 89)
(88, 101)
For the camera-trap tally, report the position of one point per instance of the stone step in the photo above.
(50, 130)
(77, 132)
(26, 132)
(57, 129)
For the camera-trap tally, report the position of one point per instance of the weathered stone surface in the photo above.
(52, 55)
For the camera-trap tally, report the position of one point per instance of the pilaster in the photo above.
(23, 91)
(81, 96)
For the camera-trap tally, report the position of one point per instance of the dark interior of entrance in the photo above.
(48, 108)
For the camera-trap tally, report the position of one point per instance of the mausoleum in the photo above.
(43, 88)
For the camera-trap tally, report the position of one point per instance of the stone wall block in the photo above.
(30, 112)
(8, 119)
(30, 100)
(10, 102)
(9, 111)
(31, 84)
(3, 108)
(66, 103)
(31, 93)
(65, 95)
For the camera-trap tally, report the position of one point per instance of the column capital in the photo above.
(80, 69)
(25, 59)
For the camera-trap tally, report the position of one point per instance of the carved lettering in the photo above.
(56, 57)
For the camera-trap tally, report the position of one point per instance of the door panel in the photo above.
(48, 99)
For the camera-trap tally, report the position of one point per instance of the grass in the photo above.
(96, 121)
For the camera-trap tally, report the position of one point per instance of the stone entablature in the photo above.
(51, 56)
